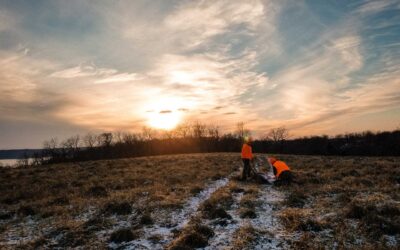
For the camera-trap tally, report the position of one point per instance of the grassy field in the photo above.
(344, 202)
(197, 201)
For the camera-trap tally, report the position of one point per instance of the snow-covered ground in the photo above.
(178, 218)
(271, 231)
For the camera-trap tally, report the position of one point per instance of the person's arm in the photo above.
(269, 164)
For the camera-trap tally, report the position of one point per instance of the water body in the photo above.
(8, 162)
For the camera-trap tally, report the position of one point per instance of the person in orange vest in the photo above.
(247, 156)
(282, 172)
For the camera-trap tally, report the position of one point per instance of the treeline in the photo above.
(201, 138)
(362, 144)
(188, 138)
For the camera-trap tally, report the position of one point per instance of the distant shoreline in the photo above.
(9, 154)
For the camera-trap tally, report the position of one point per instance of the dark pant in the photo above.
(246, 169)
(285, 178)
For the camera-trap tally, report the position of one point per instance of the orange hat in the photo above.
(271, 160)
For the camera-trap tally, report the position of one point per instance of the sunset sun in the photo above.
(166, 112)
(164, 120)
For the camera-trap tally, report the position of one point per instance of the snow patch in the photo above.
(271, 233)
(165, 233)
(224, 233)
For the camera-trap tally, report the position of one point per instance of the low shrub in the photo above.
(6, 215)
(96, 224)
(247, 213)
(59, 201)
(195, 190)
(146, 219)
(26, 211)
(296, 199)
(97, 191)
(122, 235)
(119, 208)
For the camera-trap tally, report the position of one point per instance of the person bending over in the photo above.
(282, 172)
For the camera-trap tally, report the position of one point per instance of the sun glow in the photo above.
(165, 121)
(166, 113)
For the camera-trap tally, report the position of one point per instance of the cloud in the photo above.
(124, 77)
(84, 70)
(7, 20)
(196, 22)
(72, 73)
(218, 107)
(165, 111)
(348, 48)
(17, 71)
(99, 75)
(374, 6)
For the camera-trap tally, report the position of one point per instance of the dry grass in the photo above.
(336, 202)
(55, 195)
(343, 202)
(215, 207)
(195, 235)
(243, 237)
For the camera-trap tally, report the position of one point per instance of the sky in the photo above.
(315, 67)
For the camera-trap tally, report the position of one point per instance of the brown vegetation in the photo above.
(57, 195)
(335, 202)
(347, 202)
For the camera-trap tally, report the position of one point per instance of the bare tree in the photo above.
(129, 138)
(89, 140)
(118, 137)
(71, 146)
(50, 148)
(213, 131)
(278, 134)
(105, 139)
(183, 130)
(168, 134)
(241, 132)
(72, 142)
(148, 133)
(50, 144)
(198, 130)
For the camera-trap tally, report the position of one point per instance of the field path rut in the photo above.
(180, 218)
(269, 233)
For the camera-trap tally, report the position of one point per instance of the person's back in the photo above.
(247, 151)
(281, 170)
(280, 167)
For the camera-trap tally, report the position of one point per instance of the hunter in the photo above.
(282, 172)
(247, 156)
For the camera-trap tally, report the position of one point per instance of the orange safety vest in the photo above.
(280, 167)
(246, 152)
